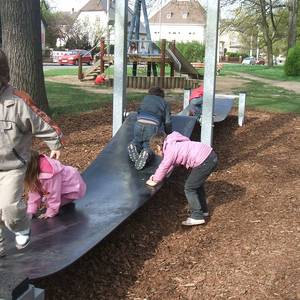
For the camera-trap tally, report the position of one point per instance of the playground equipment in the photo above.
(167, 55)
(115, 189)
(146, 53)
(58, 242)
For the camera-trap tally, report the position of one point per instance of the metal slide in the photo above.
(115, 189)
(181, 64)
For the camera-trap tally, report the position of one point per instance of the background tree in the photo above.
(293, 8)
(21, 37)
(265, 17)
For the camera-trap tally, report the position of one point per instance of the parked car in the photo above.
(72, 57)
(249, 60)
(280, 60)
(260, 61)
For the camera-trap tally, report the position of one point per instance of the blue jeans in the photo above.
(142, 134)
(194, 108)
(194, 186)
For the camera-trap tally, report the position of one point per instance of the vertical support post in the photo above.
(120, 64)
(242, 108)
(102, 51)
(146, 21)
(210, 71)
(162, 61)
(80, 74)
(137, 25)
(186, 97)
(108, 29)
(173, 46)
(149, 68)
(133, 20)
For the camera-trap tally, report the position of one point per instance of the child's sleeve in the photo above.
(33, 203)
(53, 202)
(40, 124)
(166, 166)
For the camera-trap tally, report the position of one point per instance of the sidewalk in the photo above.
(288, 85)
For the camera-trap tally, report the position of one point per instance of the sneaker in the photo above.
(206, 214)
(142, 160)
(22, 239)
(133, 153)
(191, 222)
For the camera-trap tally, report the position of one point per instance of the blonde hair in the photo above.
(157, 140)
(32, 183)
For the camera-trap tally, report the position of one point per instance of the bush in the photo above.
(236, 54)
(292, 63)
(192, 51)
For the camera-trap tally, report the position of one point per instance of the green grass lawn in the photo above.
(275, 73)
(141, 71)
(68, 99)
(62, 71)
(269, 98)
(64, 98)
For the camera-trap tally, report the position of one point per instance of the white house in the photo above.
(180, 20)
(94, 18)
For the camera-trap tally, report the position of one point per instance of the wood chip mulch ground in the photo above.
(249, 249)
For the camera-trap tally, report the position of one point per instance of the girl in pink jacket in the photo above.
(51, 184)
(176, 150)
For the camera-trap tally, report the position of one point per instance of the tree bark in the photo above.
(266, 32)
(293, 7)
(21, 38)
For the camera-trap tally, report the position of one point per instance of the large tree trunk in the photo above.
(293, 7)
(21, 38)
(266, 32)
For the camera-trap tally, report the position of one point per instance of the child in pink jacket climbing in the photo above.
(52, 184)
(176, 150)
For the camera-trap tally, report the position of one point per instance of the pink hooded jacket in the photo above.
(197, 93)
(180, 150)
(62, 184)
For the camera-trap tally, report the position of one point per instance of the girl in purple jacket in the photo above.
(49, 183)
(176, 150)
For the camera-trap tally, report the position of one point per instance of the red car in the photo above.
(72, 57)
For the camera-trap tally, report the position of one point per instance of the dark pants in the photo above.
(142, 135)
(194, 186)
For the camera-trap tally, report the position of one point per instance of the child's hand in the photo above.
(55, 154)
(151, 182)
(43, 216)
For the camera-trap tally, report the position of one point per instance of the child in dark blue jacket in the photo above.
(153, 116)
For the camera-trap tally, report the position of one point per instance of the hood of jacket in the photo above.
(173, 138)
(56, 165)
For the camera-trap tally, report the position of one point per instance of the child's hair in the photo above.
(4, 69)
(32, 183)
(157, 140)
(156, 91)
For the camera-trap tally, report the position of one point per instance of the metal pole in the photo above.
(108, 30)
(242, 108)
(120, 63)
(186, 97)
(146, 20)
(137, 24)
(210, 71)
(133, 21)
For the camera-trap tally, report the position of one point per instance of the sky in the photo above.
(67, 5)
